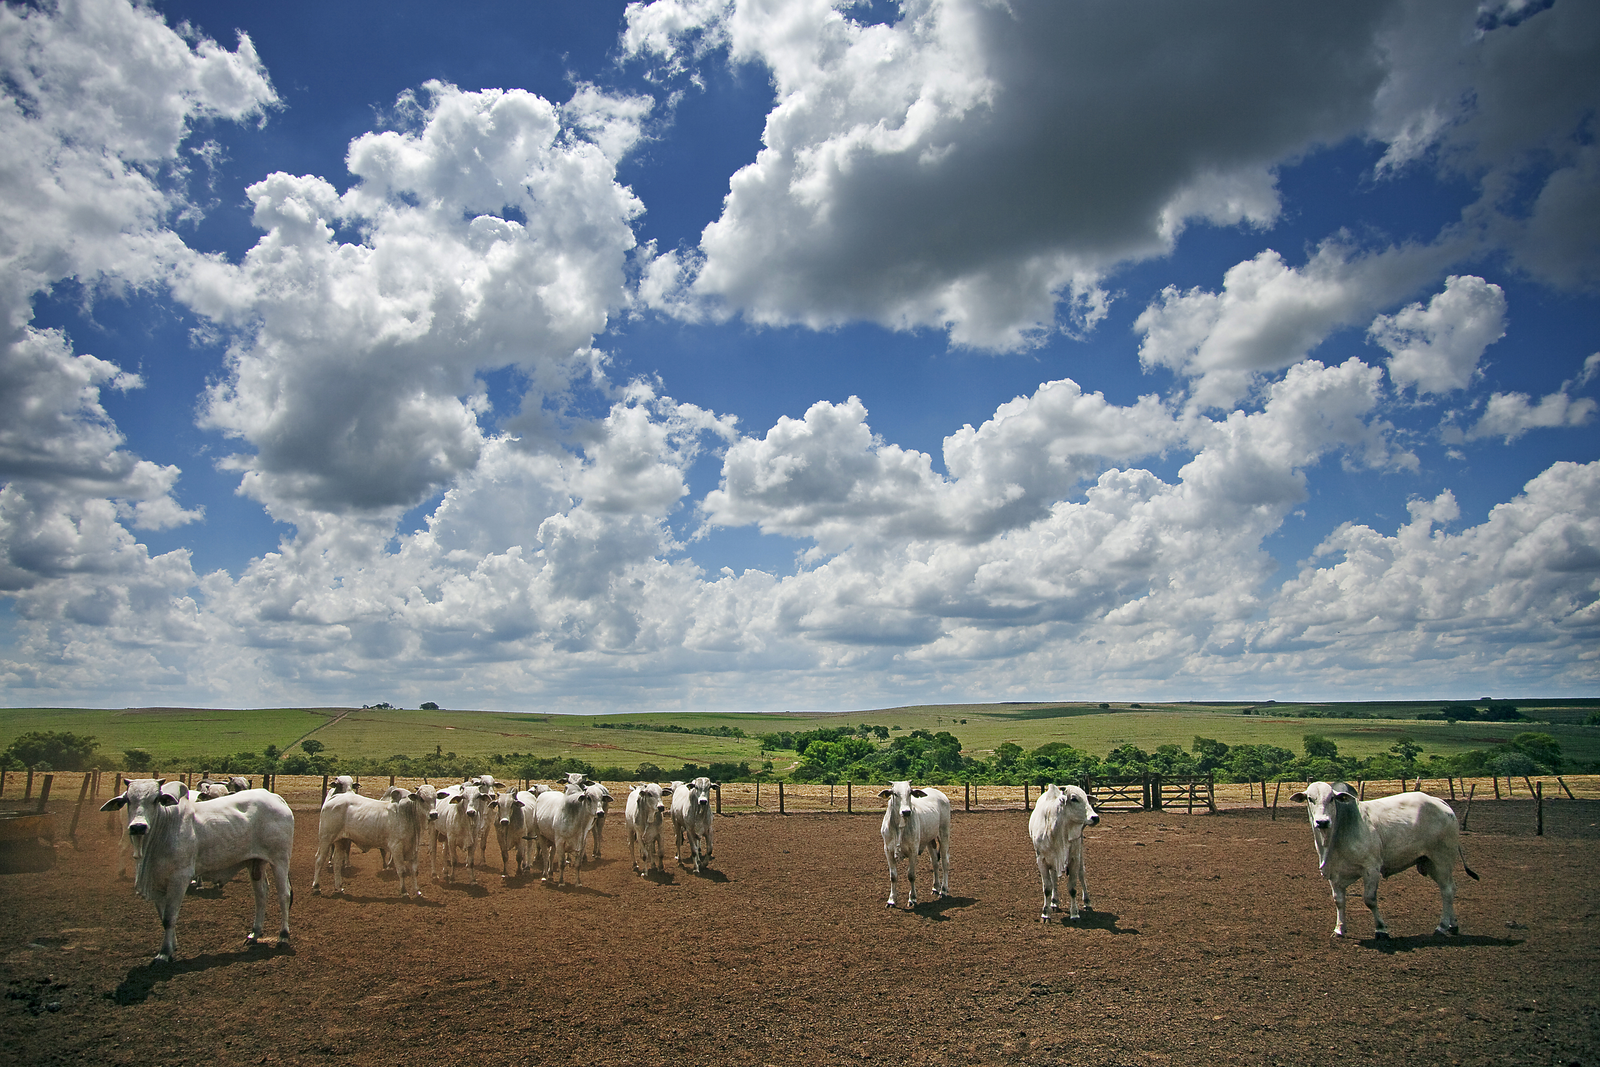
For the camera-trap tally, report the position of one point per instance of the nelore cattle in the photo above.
(602, 797)
(562, 819)
(691, 818)
(463, 823)
(643, 810)
(1056, 829)
(389, 824)
(916, 819)
(513, 822)
(1373, 839)
(181, 840)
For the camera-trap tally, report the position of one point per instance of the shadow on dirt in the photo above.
(935, 909)
(387, 898)
(1394, 945)
(27, 857)
(573, 889)
(707, 875)
(1099, 920)
(464, 888)
(142, 980)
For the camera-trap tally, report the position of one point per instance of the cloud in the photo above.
(1510, 601)
(1270, 315)
(484, 238)
(971, 165)
(1437, 348)
(1510, 415)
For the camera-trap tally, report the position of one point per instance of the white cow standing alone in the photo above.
(1372, 839)
(916, 820)
(691, 817)
(182, 840)
(1056, 828)
(643, 810)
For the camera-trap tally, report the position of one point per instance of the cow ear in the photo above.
(1297, 798)
(919, 792)
(1341, 795)
(115, 803)
(456, 799)
(887, 793)
(717, 786)
(167, 800)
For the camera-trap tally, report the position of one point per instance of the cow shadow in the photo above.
(137, 986)
(574, 889)
(1098, 920)
(935, 909)
(662, 877)
(1392, 945)
(708, 875)
(387, 898)
(469, 889)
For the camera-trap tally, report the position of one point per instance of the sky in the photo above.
(796, 354)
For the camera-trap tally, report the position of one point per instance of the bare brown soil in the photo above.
(1209, 944)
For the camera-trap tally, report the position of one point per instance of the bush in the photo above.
(62, 751)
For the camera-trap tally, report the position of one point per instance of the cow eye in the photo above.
(1073, 800)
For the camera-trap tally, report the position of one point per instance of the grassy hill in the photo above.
(173, 735)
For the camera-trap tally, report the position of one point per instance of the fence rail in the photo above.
(75, 791)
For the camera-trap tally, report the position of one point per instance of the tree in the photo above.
(137, 759)
(1319, 747)
(311, 746)
(429, 706)
(1210, 754)
(270, 752)
(1541, 748)
(1408, 751)
(62, 751)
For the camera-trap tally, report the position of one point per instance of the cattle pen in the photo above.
(1208, 941)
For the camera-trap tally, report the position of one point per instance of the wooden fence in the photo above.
(82, 792)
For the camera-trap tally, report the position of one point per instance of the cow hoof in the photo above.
(162, 957)
(890, 903)
(252, 938)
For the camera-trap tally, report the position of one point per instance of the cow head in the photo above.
(145, 799)
(700, 793)
(1072, 803)
(505, 804)
(899, 795)
(1322, 800)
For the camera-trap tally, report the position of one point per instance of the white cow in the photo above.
(389, 824)
(643, 810)
(602, 796)
(464, 823)
(512, 824)
(1056, 827)
(916, 820)
(691, 817)
(209, 790)
(344, 783)
(562, 820)
(434, 835)
(1372, 839)
(238, 783)
(183, 840)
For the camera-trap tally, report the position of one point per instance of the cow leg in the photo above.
(168, 908)
(258, 886)
(1082, 870)
(1047, 887)
(893, 858)
(341, 856)
(1338, 906)
(1380, 931)
(280, 874)
(911, 878)
(316, 867)
(1444, 874)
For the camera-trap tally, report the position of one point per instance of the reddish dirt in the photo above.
(1209, 943)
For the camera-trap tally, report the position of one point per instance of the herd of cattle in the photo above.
(179, 837)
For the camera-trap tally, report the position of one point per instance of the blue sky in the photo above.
(733, 355)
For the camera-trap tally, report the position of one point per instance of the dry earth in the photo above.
(1209, 944)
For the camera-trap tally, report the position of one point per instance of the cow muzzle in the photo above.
(1094, 820)
(1322, 823)
(138, 829)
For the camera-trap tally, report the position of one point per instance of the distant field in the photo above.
(175, 733)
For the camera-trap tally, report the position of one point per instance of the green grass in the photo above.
(173, 734)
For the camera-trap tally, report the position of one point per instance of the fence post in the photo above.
(1564, 786)
(1452, 782)
(1025, 804)
(83, 793)
(1275, 793)
(758, 792)
(44, 791)
(967, 792)
(718, 792)
(27, 793)
(2, 781)
(848, 804)
(1211, 793)
(1467, 811)
(1538, 794)
(780, 797)
(1263, 794)
(1496, 780)
(324, 787)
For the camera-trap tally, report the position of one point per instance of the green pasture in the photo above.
(174, 735)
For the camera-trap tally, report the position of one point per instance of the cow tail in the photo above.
(1460, 852)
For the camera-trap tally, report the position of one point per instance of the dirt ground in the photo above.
(1209, 944)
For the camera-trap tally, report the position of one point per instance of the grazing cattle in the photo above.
(643, 810)
(182, 840)
(602, 797)
(390, 825)
(915, 820)
(691, 817)
(1056, 827)
(512, 824)
(562, 820)
(464, 822)
(1372, 839)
